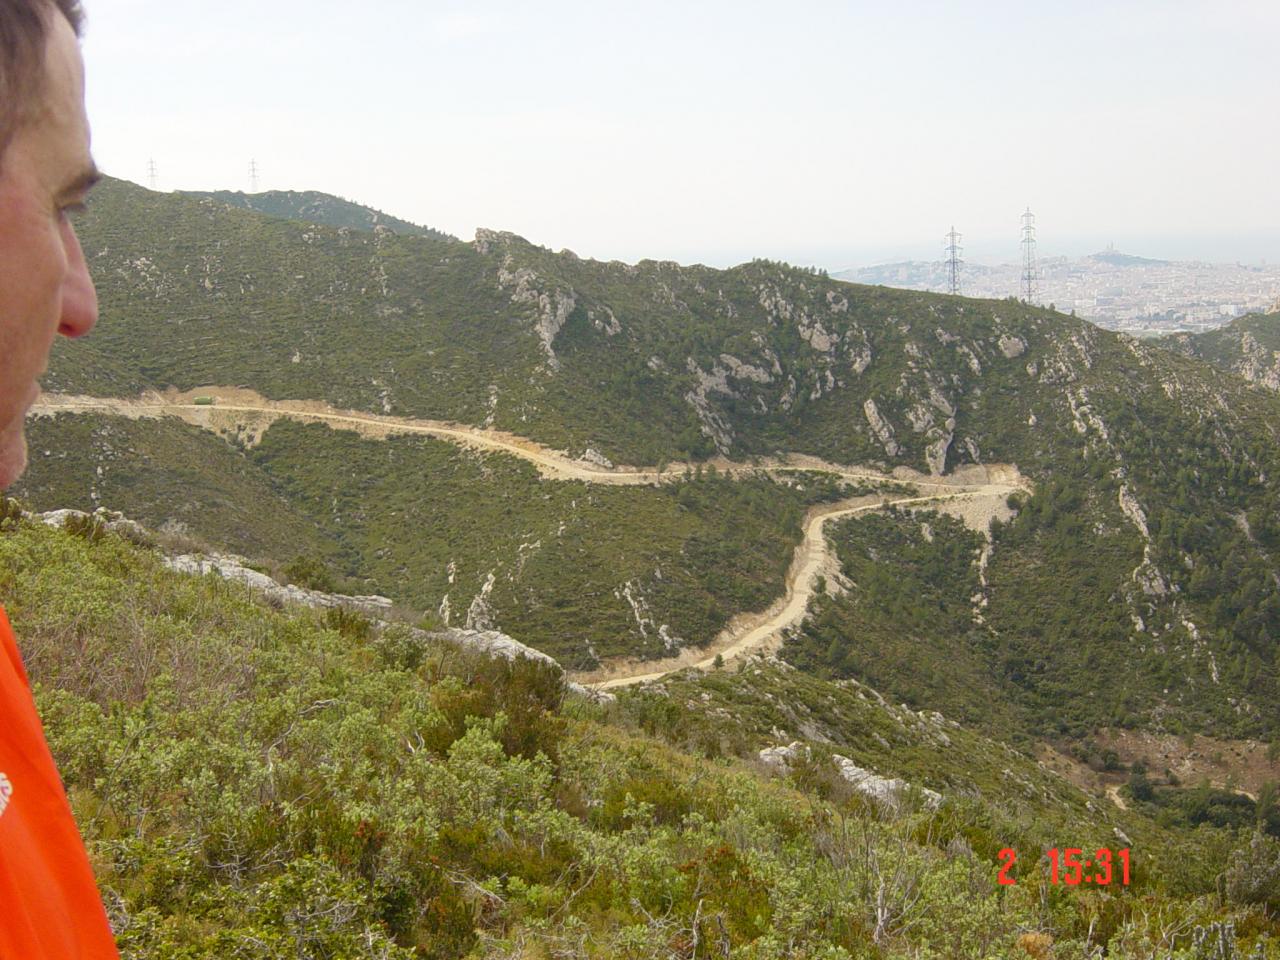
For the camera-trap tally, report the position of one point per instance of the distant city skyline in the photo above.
(827, 134)
(1257, 250)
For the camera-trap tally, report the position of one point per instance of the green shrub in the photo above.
(309, 572)
(1254, 874)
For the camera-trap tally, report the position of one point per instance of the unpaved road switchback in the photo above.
(975, 494)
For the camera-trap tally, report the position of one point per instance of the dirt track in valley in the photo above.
(763, 632)
(975, 494)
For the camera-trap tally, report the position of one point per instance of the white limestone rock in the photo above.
(935, 454)
(745, 371)
(882, 429)
(553, 307)
(594, 456)
(713, 423)
(233, 568)
(480, 614)
(1132, 509)
(1012, 347)
(609, 324)
(890, 792)
(1258, 364)
(779, 759)
(815, 334)
(1149, 578)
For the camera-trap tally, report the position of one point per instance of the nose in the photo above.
(79, 298)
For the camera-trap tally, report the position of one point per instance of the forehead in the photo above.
(55, 139)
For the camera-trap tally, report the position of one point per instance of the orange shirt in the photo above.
(49, 904)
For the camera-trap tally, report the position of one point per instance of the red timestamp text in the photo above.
(1070, 866)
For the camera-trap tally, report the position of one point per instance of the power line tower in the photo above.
(253, 176)
(152, 178)
(954, 263)
(1029, 292)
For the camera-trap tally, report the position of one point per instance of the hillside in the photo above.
(311, 206)
(253, 781)
(1135, 586)
(640, 362)
(579, 571)
(1248, 346)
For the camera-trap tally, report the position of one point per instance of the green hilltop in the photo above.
(312, 206)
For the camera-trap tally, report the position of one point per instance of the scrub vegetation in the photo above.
(580, 571)
(1136, 586)
(282, 783)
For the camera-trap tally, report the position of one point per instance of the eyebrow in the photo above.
(82, 183)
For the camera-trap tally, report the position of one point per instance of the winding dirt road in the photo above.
(975, 494)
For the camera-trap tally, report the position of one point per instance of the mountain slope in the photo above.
(262, 782)
(578, 570)
(1151, 528)
(311, 206)
(1248, 346)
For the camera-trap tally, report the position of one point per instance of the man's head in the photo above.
(45, 172)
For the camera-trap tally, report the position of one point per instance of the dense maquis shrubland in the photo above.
(282, 783)
(258, 782)
(1136, 585)
(580, 571)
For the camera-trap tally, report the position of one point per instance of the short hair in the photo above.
(24, 30)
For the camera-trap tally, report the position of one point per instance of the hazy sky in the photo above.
(820, 133)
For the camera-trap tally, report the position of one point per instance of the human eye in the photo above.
(72, 211)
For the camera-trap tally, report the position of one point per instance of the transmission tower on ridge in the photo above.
(954, 263)
(253, 176)
(152, 179)
(1029, 292)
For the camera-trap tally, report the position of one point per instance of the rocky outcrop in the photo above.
(814, 334)
(630, 591)
(1132, 509)
(714, 424)
(935, 454)
(552, 307)
(779, 759)
(607, 323)
(1258, 364)
(889, 792)
(1149, 578)
(745, 371)
(111, 521)
(594, 456)
(480, 614)
(1012, 347)
(227, 566)
(233, 568)
(881, 428)
(938, 438)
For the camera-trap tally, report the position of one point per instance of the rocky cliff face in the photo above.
(638, 362)
(1248, 347)
(752, 352)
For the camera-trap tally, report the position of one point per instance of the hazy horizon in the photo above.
(831, 134)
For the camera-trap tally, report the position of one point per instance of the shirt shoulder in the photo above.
(49, 902)
(9, 649)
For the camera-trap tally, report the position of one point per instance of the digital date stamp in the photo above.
(1070, 866)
